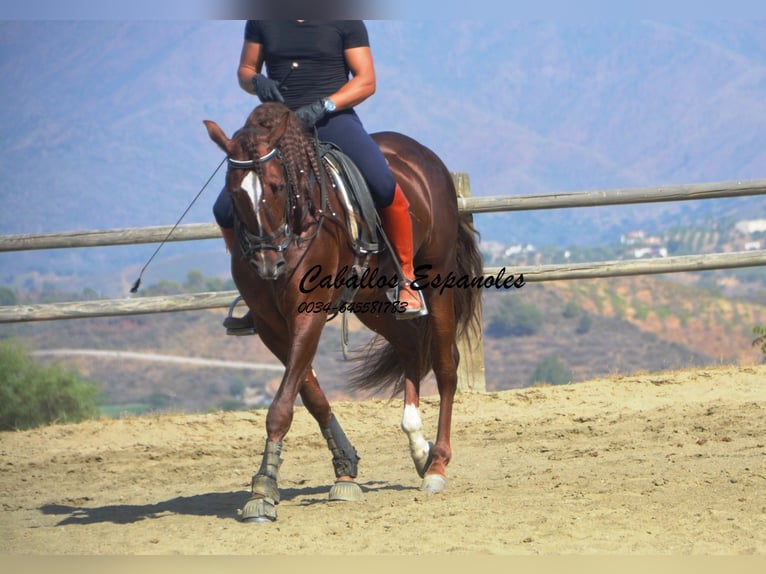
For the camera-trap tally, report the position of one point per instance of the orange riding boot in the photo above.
(397, 226)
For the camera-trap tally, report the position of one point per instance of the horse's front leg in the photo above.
(262, 504)
(344, 457)
(304, 332)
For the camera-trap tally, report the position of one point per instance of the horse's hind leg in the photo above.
(412, 425)
(400, 335)
(445, 358)
(344, 457)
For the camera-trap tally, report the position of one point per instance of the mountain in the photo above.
(100, 123)
(543, 108)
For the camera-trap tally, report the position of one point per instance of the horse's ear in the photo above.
(280, 129)
(216, 134)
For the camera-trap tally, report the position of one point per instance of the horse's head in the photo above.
(263, 186)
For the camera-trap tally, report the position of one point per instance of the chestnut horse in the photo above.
(293, 259)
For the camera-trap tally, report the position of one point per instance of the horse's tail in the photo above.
(379, 367)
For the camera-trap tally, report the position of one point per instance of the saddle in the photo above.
(352, 190)
(364, 225)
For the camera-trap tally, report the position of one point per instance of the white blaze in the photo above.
(252, 185)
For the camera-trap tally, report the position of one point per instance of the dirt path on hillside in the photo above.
(669, 463)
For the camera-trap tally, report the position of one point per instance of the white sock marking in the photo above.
(413, 426)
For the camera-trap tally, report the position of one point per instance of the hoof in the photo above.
(434, 483)
(347, 491)
(259, 511)
(422, 463)
(266, 487)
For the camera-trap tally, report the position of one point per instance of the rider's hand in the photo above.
(310, 114)
(266, 89)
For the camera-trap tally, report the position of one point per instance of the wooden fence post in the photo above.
(470, 374)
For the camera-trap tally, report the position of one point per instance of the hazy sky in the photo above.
(396, 9)
(524, 108)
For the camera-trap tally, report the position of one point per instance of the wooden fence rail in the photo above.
(196, 231)
(598, 198)
(220, 299)
(129, 236)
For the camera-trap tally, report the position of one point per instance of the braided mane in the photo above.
(296, 144)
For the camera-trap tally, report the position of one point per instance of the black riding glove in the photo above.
(266, 89)
(310, 114)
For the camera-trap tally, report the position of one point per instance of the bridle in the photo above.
(253, 244)
(283, 236)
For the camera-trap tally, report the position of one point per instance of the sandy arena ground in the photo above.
(667, 463)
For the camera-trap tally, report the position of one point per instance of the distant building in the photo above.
(633, 237)
(746, 227)
(494, 249)
(650, 252)
(639, 237)
(517, 249)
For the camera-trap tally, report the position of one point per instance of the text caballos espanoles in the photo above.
(315, 279)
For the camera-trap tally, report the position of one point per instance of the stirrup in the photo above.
(393, 297)
(238, 326)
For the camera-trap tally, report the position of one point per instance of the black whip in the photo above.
(293, 66)
(137, 284)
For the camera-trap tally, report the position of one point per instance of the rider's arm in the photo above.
(250, 64)
(362, 84)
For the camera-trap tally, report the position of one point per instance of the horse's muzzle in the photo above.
(269, 264)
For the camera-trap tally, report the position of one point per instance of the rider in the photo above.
(321, 70)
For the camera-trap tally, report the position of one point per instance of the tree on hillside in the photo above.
(196, 282)
(8, 296)
(32, 395)
(553, 371)
(515, 318)
(162, 287)
(761, 339)
(571, 310)
(584, 324)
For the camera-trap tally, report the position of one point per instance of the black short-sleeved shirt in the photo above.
(318, 48)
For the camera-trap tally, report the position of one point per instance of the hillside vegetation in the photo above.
(586, 328)
(32, 395)
(715, 326)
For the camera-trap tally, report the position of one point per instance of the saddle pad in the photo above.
(353, 192)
